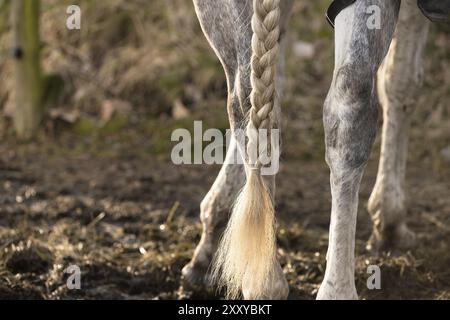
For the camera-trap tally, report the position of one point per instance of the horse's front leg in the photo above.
(350, 121)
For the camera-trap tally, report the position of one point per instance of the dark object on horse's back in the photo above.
(336, 7)
(435, 10)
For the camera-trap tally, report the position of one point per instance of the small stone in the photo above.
(304, 49)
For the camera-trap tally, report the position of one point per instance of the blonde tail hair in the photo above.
(246, 255)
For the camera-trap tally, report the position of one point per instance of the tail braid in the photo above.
(246, 257)
(265, 48)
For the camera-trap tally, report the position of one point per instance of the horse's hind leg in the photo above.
(214, 211)
(399, 83)
(226, 24)
(218, 21)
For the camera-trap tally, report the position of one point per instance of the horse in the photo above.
(373, 66)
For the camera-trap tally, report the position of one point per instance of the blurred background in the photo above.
(85, 172)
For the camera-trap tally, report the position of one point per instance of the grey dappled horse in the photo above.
(247, 36)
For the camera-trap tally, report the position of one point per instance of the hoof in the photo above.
(332, 291)
(396, 240)
(277, 288)
(194, 278)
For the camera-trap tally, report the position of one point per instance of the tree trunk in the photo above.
(29, 82)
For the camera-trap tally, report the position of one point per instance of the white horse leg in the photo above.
(214, 211)
(217, 19)
(226, 25)
(399, 83)
(350, 121)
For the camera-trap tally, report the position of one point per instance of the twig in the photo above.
(96, 220)
(172, 213)
(436, 222)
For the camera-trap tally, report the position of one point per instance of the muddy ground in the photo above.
(108, 214)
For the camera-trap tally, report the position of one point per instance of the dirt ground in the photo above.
(105, 196)
(109, 215)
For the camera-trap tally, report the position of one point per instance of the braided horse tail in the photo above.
(246, 256)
